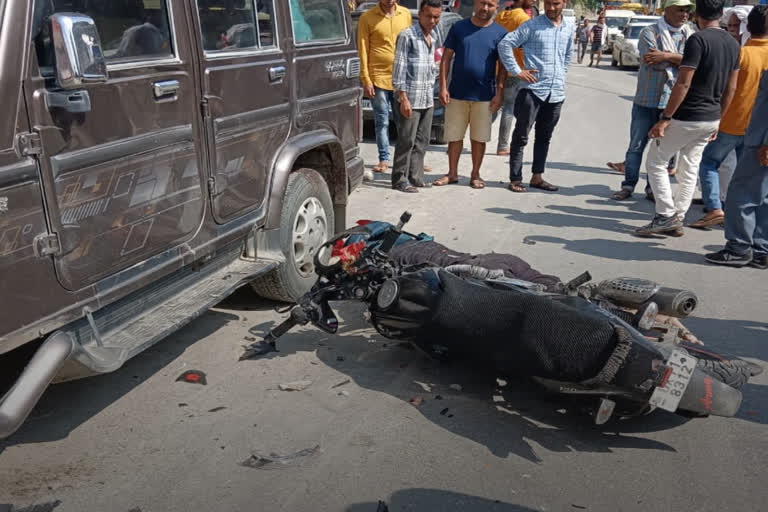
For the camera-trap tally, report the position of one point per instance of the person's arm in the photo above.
(516, 39)
(691, 58)
(399, 74)
(498, 100)
(568, 54)
(730, 91)
(363, 35)
(445, 66)
(652, 55)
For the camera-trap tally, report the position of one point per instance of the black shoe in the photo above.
(731, 259)
(760, 262)
(697, 201)
(649, 194)
(661, 225)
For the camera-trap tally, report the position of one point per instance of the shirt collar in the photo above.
(757, 42)
(398, 10)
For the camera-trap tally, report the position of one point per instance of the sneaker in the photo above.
(760, 262)
(661, 225)
(731, 259)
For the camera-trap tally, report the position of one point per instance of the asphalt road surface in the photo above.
(138, 440)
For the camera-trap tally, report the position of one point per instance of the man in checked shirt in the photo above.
(413, 78)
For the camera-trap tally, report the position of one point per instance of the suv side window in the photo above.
(318, 20)
(130, 30)
(231, 25)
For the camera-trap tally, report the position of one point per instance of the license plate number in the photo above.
(668, 397)
(367, 104)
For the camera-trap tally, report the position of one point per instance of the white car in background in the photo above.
(616, 21)
(570, 15)
(625, 52)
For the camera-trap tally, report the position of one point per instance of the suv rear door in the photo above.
(119, 159)
(246, 99)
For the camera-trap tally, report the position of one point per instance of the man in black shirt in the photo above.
(703, 90)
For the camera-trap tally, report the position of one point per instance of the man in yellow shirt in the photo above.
(377, 32)
(752, 62)
(510, 19)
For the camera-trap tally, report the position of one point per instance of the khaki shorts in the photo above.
(476, 114)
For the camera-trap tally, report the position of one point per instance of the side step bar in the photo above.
(16, 405)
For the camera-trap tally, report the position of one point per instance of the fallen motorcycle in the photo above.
(595, 341)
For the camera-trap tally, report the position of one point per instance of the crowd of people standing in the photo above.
(696, 90)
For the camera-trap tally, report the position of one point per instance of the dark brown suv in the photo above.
(154, 156)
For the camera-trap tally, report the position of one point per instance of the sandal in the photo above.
(543, 185)
(381, 167)
(621, 195)
(406, 187)
(445, 180)
(517, 187)
(619, 168)
(476, 183)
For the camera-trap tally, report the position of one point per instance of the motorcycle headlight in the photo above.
(388, 294)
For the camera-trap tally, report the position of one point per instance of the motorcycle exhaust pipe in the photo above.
(674, 302)
(636, 293)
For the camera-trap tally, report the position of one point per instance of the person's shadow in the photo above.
(436, 500)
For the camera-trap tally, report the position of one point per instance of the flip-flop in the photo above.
(517, 187)
(616, 167)
(477, 183)
(406, 187)
(543, 185)
(444, 180)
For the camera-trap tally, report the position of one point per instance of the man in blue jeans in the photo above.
(661, 48)
(746, 209)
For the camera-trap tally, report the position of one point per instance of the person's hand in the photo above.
(712, 137)
(529, 75)
(654, 56)
(369, 91)
(762, 155)
(657, 131)
(405, 107)
(445, 97)
(496, 103)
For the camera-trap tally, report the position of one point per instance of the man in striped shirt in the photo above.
(413, 77)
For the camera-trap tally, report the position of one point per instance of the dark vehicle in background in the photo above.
(447, 19)
(154, 156)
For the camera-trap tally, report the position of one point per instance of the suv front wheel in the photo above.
(306, 222)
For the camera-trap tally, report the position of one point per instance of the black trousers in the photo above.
(412, 141)
(530, 110)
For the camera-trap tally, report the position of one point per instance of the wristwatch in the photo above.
(665, 118)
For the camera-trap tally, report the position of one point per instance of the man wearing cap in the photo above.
(661, 48)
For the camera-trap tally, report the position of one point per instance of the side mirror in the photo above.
(79, 58)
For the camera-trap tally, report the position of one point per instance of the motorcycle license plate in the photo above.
(668, 396)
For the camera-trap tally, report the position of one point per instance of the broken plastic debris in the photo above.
(298, 385)
(342, 383)
(417, 401)
(456, 387)
(426, 387)
(193, 377)
(275, 461)
(444, 412)
(343, 393)
(258, 349)
(217, 409)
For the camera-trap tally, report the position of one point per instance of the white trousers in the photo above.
(689, 139)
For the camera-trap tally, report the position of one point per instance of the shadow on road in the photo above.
(435, 499)
(564, 221)
(512, 417)
(64, 407)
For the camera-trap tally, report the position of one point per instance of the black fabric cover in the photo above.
(420, 252)
(528, 334)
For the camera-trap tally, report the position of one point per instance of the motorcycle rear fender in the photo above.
(707, 395)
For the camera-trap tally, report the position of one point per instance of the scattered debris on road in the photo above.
(340, 358)
(182, 404)
(275, 461)
(258, 349)
(456, 387)
(343, 393)
(193, 377)
(528, 241)
(578, 506)
(438, 397)
(426, 387)
(298, 385)
(342, 383)
(217, 409)
(444, 412)
(416, 400)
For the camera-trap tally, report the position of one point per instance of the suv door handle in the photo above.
(276, 74)
(166, 90)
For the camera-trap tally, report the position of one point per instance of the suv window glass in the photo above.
(318, 20)
(227, 25)
(130, 30)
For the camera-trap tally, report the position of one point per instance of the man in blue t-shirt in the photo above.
(474, 94)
